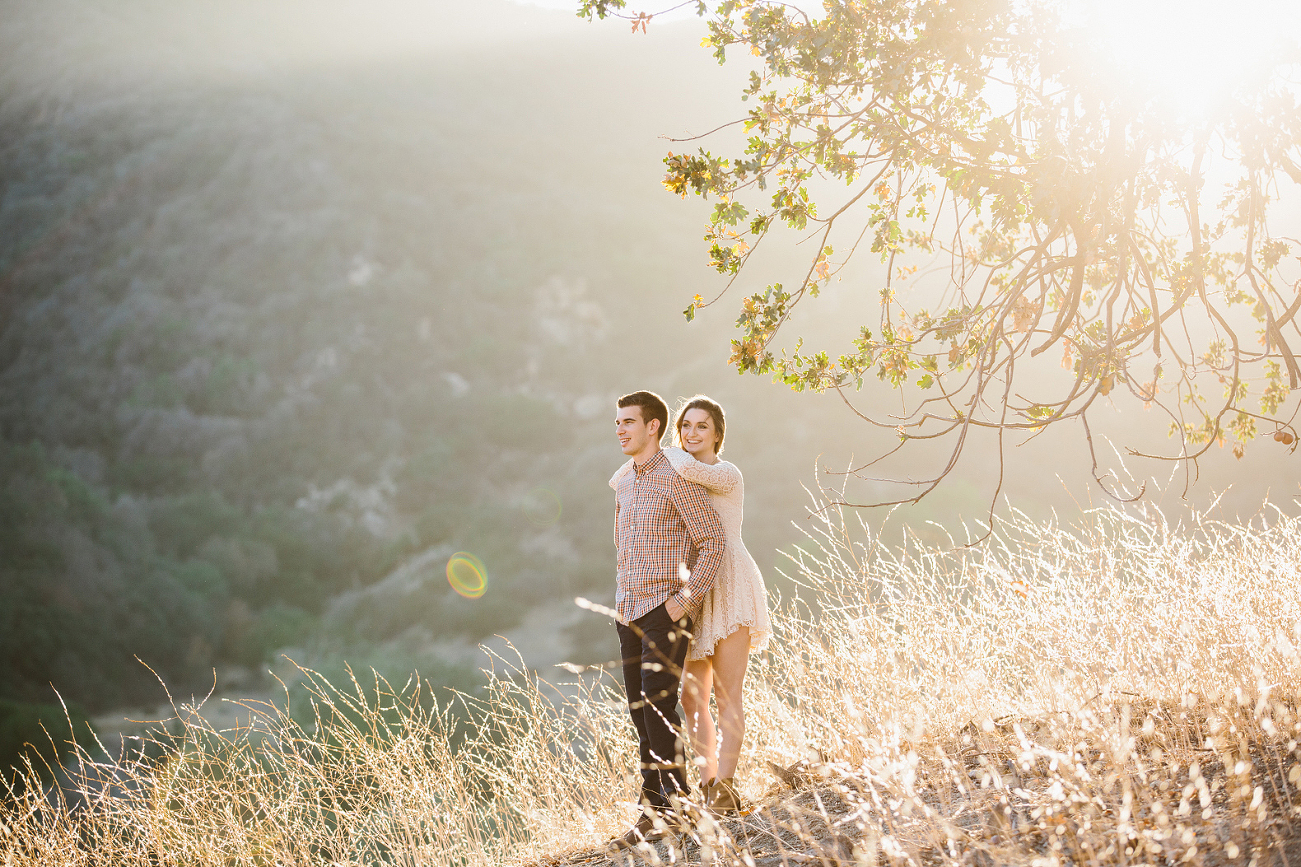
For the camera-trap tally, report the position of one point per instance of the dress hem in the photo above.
(758, 641)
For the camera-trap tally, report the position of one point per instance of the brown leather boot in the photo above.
(722, 799)
(643, 831)
(652, 825)
(706, 788)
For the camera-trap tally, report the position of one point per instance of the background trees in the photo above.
(290, 313)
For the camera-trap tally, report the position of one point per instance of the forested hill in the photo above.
(273, 331)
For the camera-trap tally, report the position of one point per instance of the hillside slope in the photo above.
(267, 336)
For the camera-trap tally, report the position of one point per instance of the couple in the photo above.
(691, 605)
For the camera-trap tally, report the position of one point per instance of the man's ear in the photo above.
(654, 427)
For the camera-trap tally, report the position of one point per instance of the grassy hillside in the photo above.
(1119, 692)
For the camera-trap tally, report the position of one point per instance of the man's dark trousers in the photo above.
(653, 649)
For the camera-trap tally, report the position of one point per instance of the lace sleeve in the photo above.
(718, 478)
(620, 473)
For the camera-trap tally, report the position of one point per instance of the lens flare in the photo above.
(467, 575)
(542, 507)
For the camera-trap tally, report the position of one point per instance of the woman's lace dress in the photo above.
(738, 597)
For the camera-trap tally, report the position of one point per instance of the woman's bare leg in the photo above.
(697, 680)
(730, 659)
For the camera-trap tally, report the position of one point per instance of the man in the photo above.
(663, 524)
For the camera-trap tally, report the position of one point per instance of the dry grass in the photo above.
(1123, 693)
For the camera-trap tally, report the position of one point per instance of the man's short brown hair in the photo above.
(652, 407)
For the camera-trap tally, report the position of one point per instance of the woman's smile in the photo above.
(698, 435)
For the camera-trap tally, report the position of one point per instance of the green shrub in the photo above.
(39, 733)
(276, 627)
(181, 524)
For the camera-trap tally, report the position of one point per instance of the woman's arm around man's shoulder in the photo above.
(719, 478)
(620, 473)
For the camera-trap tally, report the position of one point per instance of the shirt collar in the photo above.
(651, 464)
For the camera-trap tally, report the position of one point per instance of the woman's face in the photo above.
(698, 433)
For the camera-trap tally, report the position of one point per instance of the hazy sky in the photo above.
(571, 6)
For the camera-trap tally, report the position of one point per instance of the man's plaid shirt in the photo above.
(660, 522)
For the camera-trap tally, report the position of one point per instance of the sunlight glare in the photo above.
(1191, 54)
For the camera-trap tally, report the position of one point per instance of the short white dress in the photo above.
(738, 597)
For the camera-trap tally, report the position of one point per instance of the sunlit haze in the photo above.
(315, 316)
(1194, 53)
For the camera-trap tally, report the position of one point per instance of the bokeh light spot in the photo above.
(542, 507)
(467, 575)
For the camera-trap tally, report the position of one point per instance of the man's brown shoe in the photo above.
(652, 825)
(645, 830)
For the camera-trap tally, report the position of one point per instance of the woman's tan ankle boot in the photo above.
(722, 799)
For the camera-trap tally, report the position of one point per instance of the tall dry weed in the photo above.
(1116, 693)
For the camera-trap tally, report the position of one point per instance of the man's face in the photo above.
(633, 433)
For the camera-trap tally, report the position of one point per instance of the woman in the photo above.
(733, 618)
